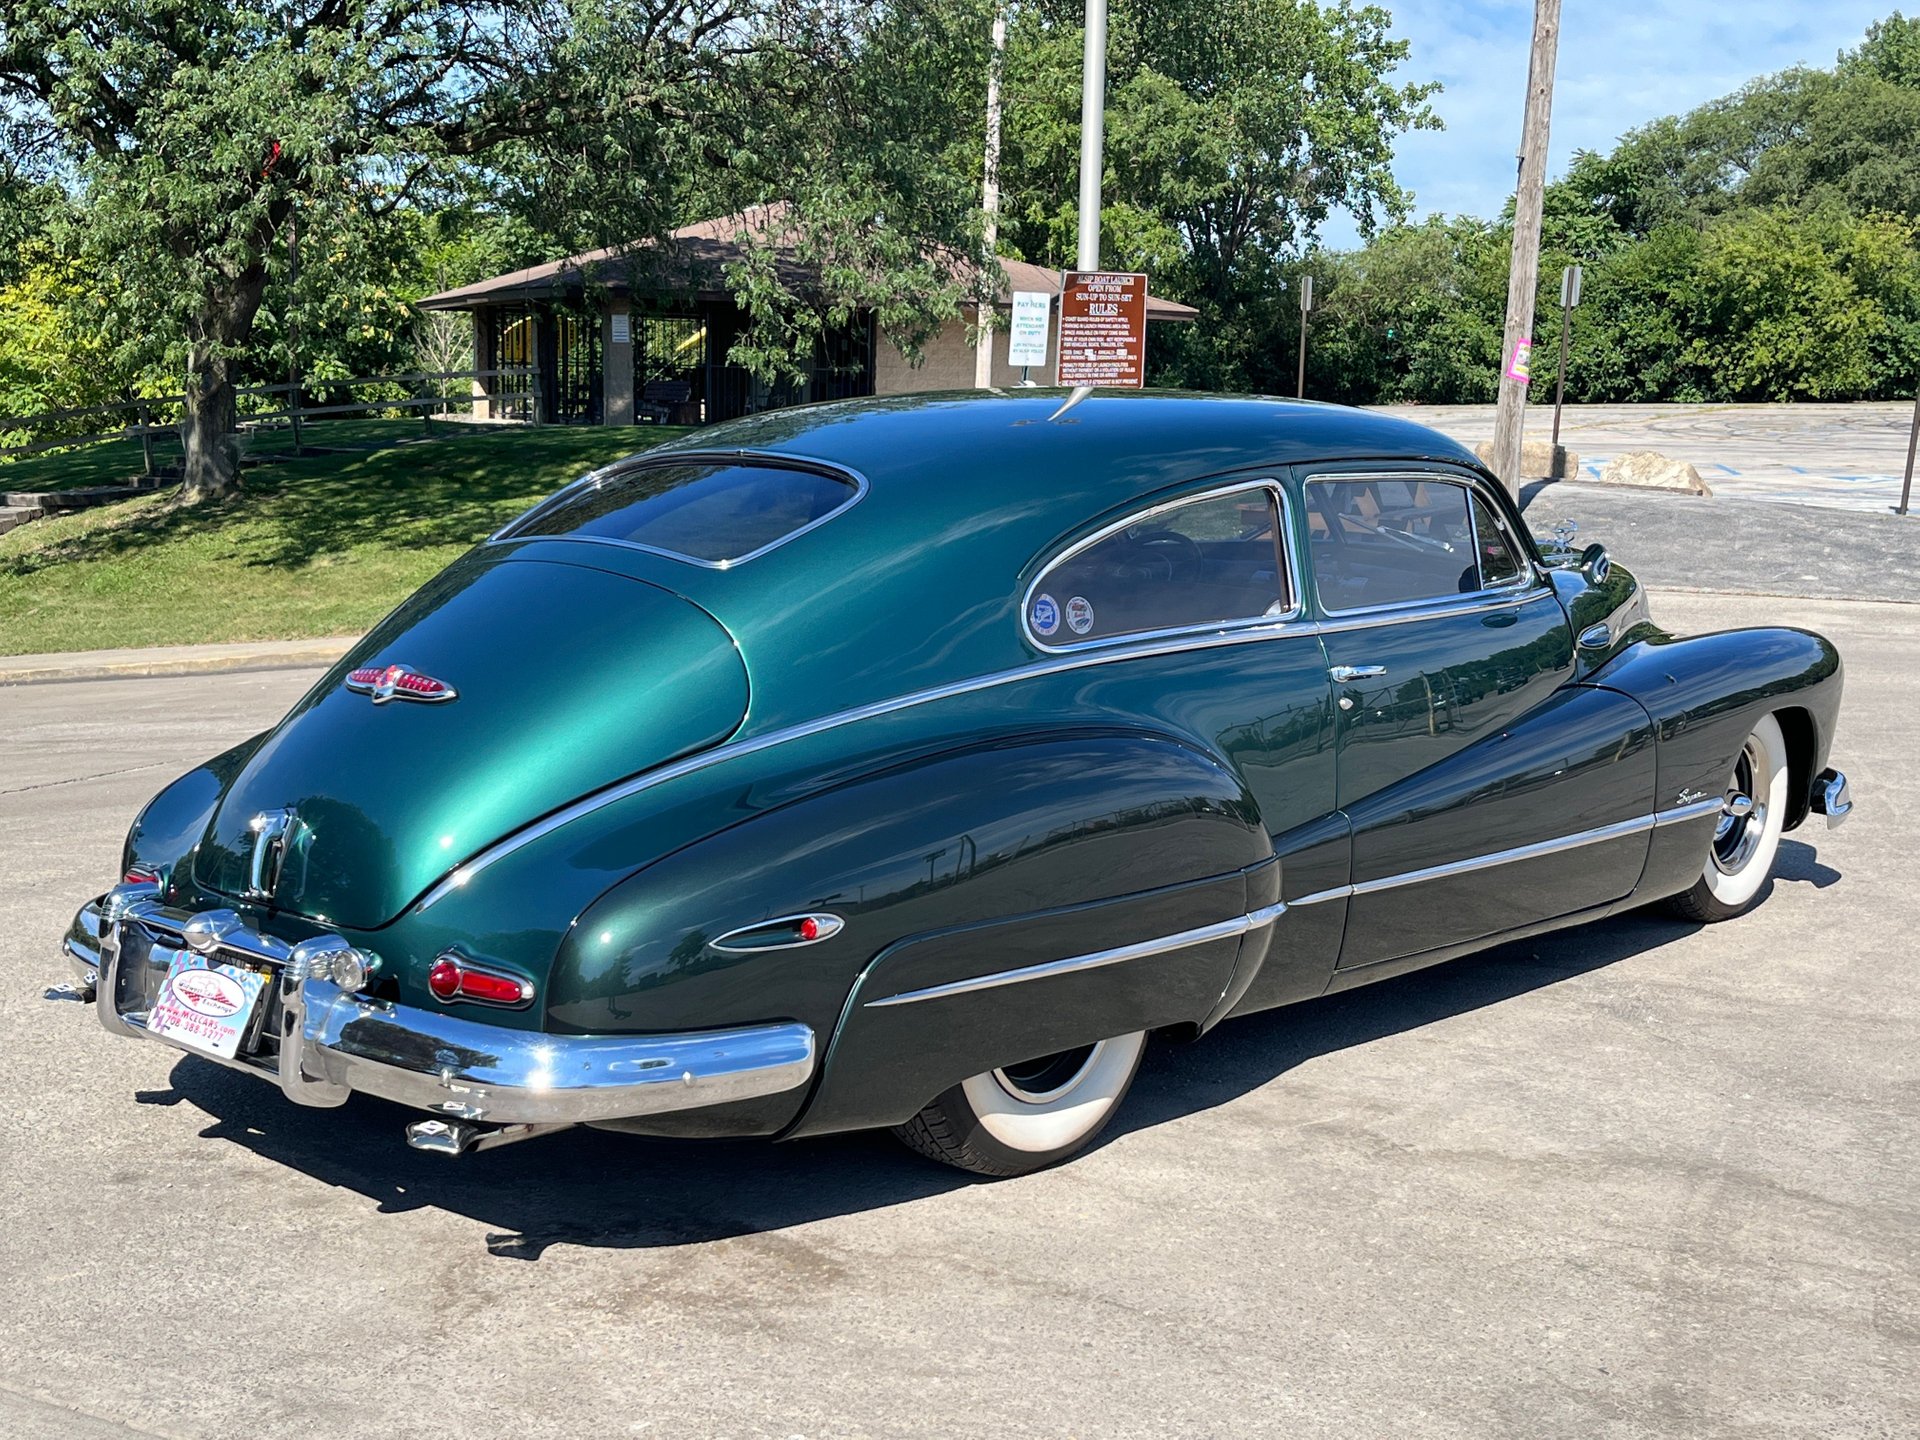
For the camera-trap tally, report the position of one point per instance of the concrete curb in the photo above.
(173, 660)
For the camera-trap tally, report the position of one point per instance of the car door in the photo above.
(1485, 792)
(1204, 590)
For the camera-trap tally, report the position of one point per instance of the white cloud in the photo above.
(1619, 66)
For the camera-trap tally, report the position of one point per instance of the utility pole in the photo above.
(1524, 275)
(990, 205)
(1569, 299)
(1093, 127)
(1306, 309)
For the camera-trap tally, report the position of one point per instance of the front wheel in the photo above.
(1028, 1116)
(1746, 835)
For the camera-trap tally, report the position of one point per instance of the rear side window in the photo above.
(1388, 542)
(1214, 560)
(711, 512)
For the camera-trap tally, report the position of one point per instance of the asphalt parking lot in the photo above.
(1640, 1179)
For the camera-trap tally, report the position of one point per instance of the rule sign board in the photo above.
(1103, 328)
(1027, 331)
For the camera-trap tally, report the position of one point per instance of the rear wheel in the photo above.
(1746, 835)
(1025, 1117)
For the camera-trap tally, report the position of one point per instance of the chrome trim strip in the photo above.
(1283, 547)
(766, 459)
(1319, 897)
(1596, 836)
(1094, 960)
(1682, 813)
(1340, 622)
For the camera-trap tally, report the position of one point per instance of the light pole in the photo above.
(1306, 309)
(1093, 127)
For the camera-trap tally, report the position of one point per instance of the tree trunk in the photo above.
(209, 431)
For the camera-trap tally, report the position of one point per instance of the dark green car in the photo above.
(906, 762)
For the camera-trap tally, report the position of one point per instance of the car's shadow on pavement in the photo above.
(587, 1187)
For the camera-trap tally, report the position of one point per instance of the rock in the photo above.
(1539, 460)
(1650, 470)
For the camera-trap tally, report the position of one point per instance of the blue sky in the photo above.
(1620, 64)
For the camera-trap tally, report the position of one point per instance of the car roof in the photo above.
(918, 583)
(1104, 450)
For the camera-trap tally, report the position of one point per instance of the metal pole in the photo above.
(1306, 309)
(1560, 376)
(990, 205)
(1913, 440)
(1523, 276)
(1093, 120)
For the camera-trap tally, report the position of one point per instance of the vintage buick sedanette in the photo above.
(908, 762)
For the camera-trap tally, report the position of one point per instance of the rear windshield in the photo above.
(714, 512)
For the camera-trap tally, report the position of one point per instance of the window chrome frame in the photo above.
(1527, 585)
(1289, 562)
(620, 469)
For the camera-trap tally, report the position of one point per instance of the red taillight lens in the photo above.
(140, 875)
(809, 928)
(450, 980)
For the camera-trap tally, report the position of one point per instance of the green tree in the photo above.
(198, 133)
(1234, 130)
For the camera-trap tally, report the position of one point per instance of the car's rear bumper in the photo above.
(333, 1043)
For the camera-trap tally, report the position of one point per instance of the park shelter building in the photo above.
(642, 332)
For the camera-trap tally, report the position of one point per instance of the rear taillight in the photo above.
(454, 977)
(140, 875)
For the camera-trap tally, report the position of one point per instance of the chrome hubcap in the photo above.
(1051, 1076)
(1743, 817)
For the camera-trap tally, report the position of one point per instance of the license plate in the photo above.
(206, 1007)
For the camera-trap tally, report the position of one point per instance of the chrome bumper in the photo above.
(333, 1043)
(1830, 798)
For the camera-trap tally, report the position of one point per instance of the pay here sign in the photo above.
(1103, 328)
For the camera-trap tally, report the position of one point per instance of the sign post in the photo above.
(1103, 329)
(1306, 309)
(1569, 301)
(1913, 442)
(1027, 330)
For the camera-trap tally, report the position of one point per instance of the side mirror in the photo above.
(1596, 564)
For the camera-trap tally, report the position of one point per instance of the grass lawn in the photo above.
(116, 462)
(323, 545)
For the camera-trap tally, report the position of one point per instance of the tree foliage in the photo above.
(1760, 247)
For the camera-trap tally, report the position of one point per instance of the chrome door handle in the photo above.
(1343, 673)
(1597, 637)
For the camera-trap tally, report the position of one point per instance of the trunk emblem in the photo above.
(397, 682)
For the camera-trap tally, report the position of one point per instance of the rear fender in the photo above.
(1015, 832)
(1705, 693)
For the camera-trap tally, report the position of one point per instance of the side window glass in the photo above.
(1207, 562)
(1388, 542)
(1499, 565)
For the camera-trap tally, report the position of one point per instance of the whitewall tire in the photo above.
(1747, 833)
(1025, 1117)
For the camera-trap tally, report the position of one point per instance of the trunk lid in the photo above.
(566, 678)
